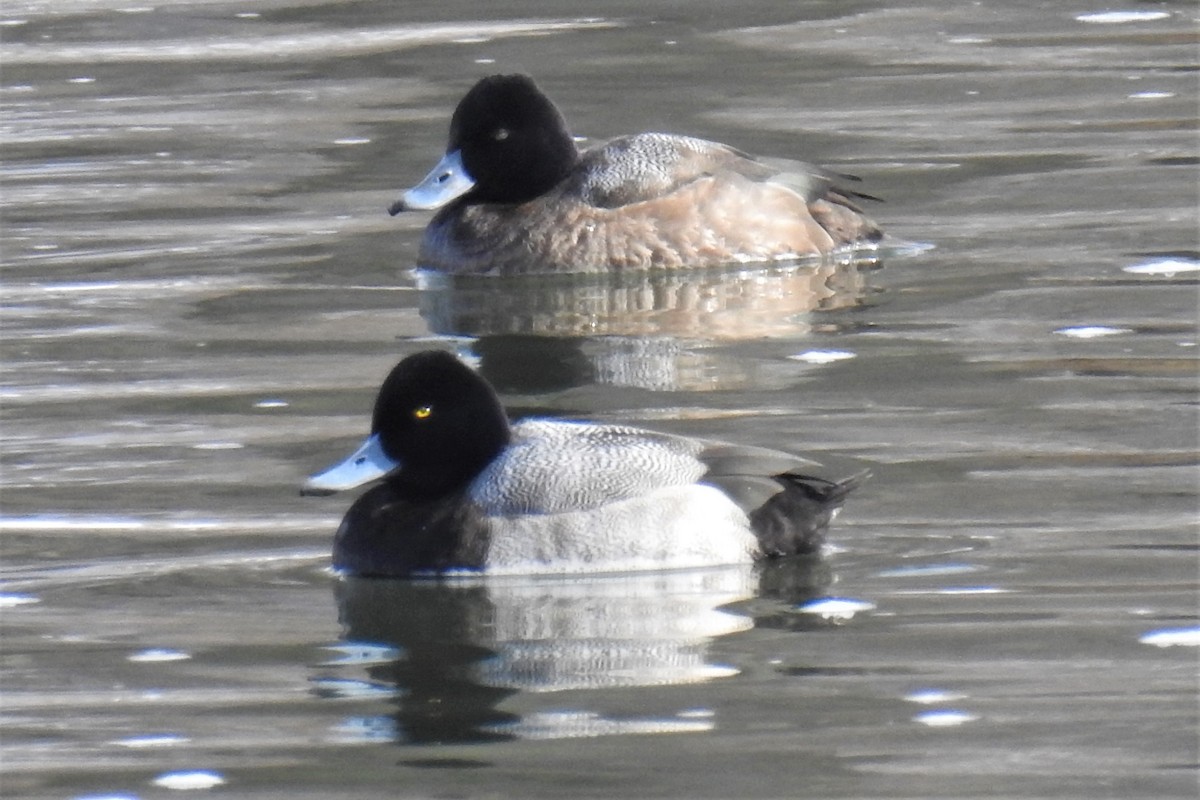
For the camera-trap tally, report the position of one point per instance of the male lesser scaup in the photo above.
(463, 490)
(517, 196)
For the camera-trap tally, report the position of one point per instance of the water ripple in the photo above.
(305, 46)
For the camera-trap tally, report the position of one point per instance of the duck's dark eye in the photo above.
(500, 134)
(422, 412)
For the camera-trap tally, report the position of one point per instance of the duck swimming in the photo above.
(516, 195)
(463, 490)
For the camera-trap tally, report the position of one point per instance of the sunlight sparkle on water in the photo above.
(152, 740)
(1172, 637)
(157, 654)
(822, 356)
(1091, 331)
(924, 570)
(1163, 266)
(839, 608)
(931, 696)
(1117, 17)
(547, 725)
(945, 718)
(197, 779)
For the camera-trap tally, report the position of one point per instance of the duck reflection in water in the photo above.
(454, 651)
(655, 331)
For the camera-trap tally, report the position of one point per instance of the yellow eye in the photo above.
(422, 412)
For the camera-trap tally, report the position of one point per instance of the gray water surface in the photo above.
(202, 292)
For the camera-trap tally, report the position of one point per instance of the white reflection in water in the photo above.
(585, 724)
(618, 632)
(159, 654)
(924, 570)
(696, 713)
(1091, 331)
(152, 740)
(822, 356)
(1163, 266)
(957, 590)
(198, 779)
(1118, 17)
(931, 696)
(946, 718)
(835, 608)
(446, 654)
(1172, 637)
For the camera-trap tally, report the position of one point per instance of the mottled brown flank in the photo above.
(708, 222)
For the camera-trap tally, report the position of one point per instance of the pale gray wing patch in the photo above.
(647, 166)
(552, 467)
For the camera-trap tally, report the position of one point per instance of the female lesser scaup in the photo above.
(464, 490)
(523, 199)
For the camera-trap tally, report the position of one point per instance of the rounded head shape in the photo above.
(514, 143)
(440, 421)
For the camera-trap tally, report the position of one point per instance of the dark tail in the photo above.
(794, 520)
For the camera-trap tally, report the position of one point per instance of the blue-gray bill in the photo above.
(366, 464)
(448, 180)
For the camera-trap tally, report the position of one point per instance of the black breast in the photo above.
(386, 535)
